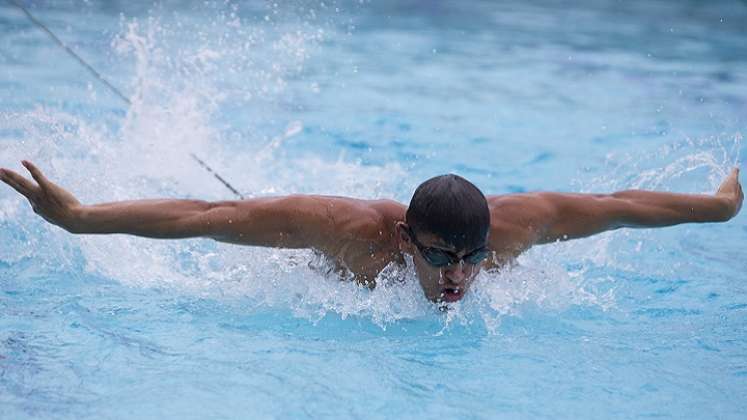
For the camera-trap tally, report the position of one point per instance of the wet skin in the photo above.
(364, 236)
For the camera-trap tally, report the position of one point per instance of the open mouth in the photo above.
(451, 294)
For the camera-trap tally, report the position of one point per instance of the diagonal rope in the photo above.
(69, 51)
(215, 174)
(111, 87)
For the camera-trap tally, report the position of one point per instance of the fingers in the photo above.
(19, 183)
(36, 173)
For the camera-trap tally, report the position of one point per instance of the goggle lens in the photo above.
(439, 258)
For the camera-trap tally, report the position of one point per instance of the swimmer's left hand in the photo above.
(731, 190)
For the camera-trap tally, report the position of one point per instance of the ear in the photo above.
(403, 238)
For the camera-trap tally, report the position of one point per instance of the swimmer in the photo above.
(451, 230)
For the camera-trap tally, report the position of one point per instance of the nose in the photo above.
(457, 273)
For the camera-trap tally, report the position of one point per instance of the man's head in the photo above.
(445, 230)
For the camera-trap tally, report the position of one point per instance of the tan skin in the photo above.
(364, 236)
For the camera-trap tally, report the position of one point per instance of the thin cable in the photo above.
(215, 174)
(71, 52)
(111, 87)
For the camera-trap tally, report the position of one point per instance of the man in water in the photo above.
(450, 228)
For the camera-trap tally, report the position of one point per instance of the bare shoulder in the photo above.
(519, 209)
(303, 220)
(365, 219)
(363, 237)
(516, 221)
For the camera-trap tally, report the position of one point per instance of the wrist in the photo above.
(726, 207)
(75, 219)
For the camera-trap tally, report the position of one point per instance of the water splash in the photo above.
(688, 165)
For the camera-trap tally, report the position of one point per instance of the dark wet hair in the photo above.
(451, 208)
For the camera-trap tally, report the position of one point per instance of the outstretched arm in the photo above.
(548, 217)
(290, 222)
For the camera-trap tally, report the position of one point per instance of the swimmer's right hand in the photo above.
(47, 199)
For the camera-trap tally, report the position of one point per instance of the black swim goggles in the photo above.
(442, 258)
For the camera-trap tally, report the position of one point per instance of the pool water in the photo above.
(368, 99)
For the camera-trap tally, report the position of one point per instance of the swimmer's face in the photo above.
(440, 284)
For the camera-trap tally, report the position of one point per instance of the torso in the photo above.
(365, 242)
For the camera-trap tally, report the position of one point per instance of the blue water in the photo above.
(368, 99)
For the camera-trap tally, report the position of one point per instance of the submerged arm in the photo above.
(292, 222)
(549, 217)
